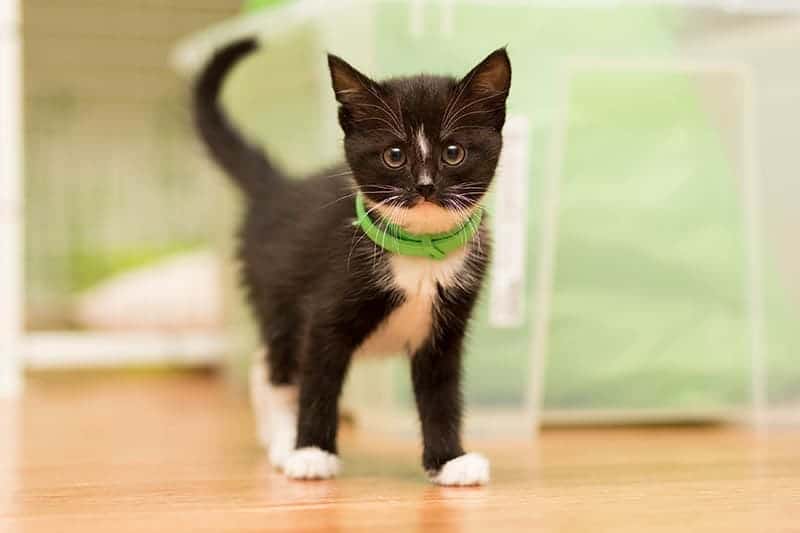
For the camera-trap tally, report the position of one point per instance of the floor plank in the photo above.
(177, 453)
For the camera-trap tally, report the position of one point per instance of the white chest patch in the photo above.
(410, 324)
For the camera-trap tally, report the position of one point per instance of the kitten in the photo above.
(421, 152)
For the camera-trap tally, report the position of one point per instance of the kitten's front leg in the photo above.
(436, 373)
(322, 377)
(333, 336)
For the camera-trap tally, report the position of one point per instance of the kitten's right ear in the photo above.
(349, 85)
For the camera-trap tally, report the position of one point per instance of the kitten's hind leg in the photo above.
(259, 391)
(273, 382)
(275, 408)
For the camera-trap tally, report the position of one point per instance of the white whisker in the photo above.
(392, 116)
(446, 132)
(455, 116)
(392, 128)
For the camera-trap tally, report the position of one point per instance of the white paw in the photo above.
(311, 463)
(468, 469)
(281, 445)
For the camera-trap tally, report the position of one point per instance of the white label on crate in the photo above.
(416, 18)
(507, 296)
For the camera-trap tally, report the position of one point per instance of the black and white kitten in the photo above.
(423, 151)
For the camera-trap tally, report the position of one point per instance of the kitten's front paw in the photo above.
(311, 463)
(465, 470)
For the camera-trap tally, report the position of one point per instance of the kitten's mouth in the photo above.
(422, 201)
(439, 203)
(423, 215)
(443, 202)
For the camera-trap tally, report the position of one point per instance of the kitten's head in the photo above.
(424, 149)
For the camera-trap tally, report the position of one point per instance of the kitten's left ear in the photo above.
(491, 76)
(480, 97)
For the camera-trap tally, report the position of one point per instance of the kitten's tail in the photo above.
(246, 164)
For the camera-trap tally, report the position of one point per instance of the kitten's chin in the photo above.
(425, 217)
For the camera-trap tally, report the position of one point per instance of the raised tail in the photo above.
(246, 164)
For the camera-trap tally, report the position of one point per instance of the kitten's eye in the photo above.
(394, 157)
(454, 154)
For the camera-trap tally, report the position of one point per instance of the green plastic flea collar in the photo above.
(393, 238)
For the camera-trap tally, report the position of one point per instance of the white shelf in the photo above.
(61, 350)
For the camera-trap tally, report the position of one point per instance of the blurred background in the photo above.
(646, 263)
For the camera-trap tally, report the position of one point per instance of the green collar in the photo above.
(393, 238)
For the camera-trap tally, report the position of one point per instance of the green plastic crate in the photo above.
(665, 297)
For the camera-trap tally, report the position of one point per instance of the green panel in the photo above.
(649, 296)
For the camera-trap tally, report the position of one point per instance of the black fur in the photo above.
(318, 289)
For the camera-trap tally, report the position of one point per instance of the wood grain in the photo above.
(168, 453)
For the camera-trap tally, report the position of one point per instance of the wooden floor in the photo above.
(118, 454)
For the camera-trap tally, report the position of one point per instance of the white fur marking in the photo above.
(424, 146)
(424, 178)
(467, 470)
(311, 463)
(422, 142)
(410, 324)
(275, 410)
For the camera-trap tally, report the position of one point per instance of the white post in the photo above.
(545, 275)
(10, 199)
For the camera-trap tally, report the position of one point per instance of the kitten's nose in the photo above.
(425, 190)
